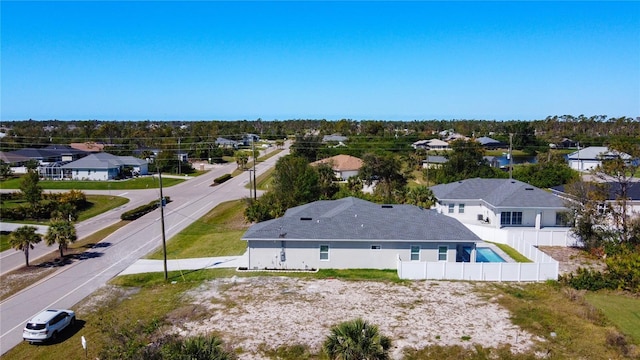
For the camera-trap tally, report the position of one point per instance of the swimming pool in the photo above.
(487, 255)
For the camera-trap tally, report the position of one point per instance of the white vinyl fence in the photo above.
(543, 268)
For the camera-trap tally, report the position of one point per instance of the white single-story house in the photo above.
(344, 166)
(499, 203)
(354, 233)
(103, 166)
(506, 211)
(591, 157)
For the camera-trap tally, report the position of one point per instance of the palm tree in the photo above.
(241, 159)
(356, 340)
(23, 239)
(61, 232)
(198, 348)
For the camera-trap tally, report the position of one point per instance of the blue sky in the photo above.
(119, 60)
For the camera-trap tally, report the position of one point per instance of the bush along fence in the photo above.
(143, 210)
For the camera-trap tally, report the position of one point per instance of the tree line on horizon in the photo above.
(198, 137)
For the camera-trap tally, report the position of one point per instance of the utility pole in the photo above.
(164, 241)
(510, 155)
(255, 158)
(179, 158)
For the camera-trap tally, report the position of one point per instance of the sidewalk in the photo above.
(40, 229)
(147, 265)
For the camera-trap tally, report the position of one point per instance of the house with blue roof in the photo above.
(354, 233)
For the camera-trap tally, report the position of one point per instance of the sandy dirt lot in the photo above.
(275, 311)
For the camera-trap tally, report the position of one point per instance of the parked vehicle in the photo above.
(47, 325)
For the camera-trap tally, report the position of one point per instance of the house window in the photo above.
(442, 253)
(451, 207)
(375, 247)
(324, 252)
(415, 253)
(461, 208)
(511, 218)
(516, 218)
(505, 218)
(563, 219)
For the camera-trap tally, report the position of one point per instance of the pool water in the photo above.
(487, 255)
(483, 254)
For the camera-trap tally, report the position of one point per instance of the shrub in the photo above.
(586, 279)
(219, 180)
(142, 210)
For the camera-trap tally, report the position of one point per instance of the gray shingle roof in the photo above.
(352, 219)
(498, 193)
(104, 161)
(596, 152)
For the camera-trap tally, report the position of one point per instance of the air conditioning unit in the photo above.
(480, 217)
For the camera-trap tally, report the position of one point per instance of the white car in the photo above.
(47, 325)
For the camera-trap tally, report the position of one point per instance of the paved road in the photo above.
(190, 201)
(12, 259)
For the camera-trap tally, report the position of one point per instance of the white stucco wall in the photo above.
(85, 174)
(583, 164)
(342, 255)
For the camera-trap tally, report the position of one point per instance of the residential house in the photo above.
(506, 210)
(248, 139)
(335, 138)
(226, 143)
(591, 157)
(613, 193)
(89, 146)
(436, 161)
(354, 233)
(344, 166)
(103, 166)
(488, 142)
(16, 162)
(431, 144)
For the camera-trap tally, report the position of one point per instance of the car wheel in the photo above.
(72, 323)
(54, 336)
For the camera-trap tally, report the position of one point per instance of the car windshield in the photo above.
(34, 326)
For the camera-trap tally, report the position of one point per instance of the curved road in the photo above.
(190, 200)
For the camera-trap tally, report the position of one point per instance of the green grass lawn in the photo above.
(215, 234)
(99, 204)
(147, 182)
(621, 310)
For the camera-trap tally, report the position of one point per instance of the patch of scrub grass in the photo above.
(4, 240)
(620, 309)
(98, 325)
(217, 233)
(546, 308)
(100, 204)
(146, 182)
(513, 253)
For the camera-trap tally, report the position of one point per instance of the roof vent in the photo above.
(528, 188)
(387, 206)
(306, 218)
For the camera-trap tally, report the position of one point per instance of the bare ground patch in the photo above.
(274, 311)
(571, 258)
